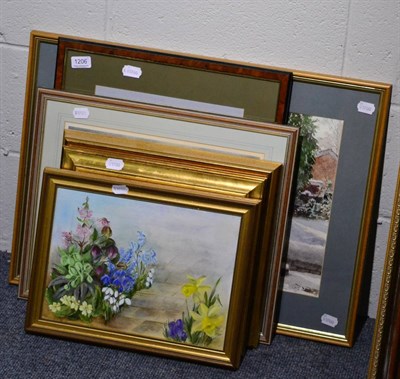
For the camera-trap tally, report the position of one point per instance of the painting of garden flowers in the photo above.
(142, 267)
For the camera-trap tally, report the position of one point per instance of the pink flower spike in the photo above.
(85, 213)
(83, 232)
(67, 238)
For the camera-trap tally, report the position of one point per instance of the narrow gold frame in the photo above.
(369, 210)
(26, 149)
(385, 351)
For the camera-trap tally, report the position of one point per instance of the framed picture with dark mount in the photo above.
(342, 125)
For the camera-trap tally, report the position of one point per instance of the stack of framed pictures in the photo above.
(200, 156)
(196, 162)
(134, 265)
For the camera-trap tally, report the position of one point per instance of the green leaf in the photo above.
(60, 293)
(95, 235)
(61, 269)
(309, 146)
(77, 267)
(58, 281)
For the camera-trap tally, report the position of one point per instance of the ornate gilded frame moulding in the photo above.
(154, 162)
(385, 351)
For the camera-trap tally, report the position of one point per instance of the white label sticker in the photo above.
(114, 164)
(81, 62)
(81, 113)
(132, 71)
(364, 107)
(329, 320)
(120, 189)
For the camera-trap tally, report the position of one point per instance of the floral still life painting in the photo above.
(134, 266)
(202, 322)
(94, 277)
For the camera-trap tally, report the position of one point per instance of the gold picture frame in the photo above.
(362, 109)
(40, 73)
(134, 297)
(385, 351)
(215, 172)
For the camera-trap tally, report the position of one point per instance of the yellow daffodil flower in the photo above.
(194, 287)
(207, 320)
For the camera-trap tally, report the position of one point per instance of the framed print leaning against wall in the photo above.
(343, 125)
(40, 73)
(115, 268)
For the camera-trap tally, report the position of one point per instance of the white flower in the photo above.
(86, 308)
(150, 278)
(70, 302)
(55, 307)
